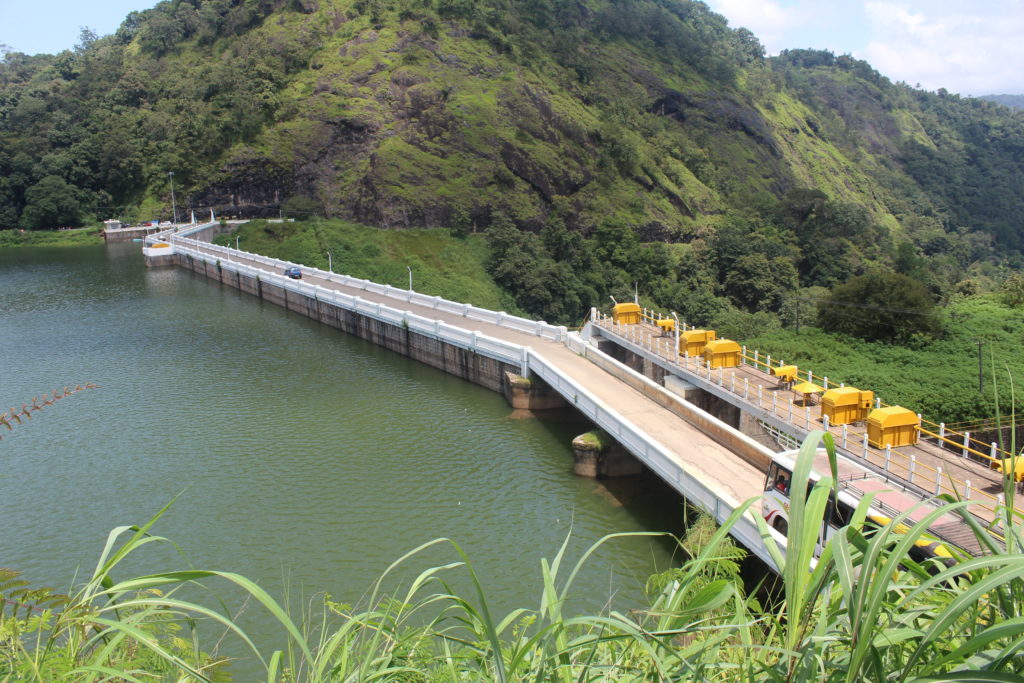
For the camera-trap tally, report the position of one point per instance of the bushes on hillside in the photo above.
(881, 306)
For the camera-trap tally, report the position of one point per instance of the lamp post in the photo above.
(409, 268)
(330, 264)
(981, 375)
(174, 206)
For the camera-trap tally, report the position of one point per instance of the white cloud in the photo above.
(971, 49)
(768, 20)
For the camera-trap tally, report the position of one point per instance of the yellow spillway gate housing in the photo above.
(1006, 465)
(893, 426)
(626, 313)
(694, 341)
(785, 373)
(722, 353)
(667, 325)
(846, 405)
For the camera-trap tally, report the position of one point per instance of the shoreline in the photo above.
(74, 237)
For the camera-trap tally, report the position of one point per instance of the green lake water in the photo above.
(301, 457)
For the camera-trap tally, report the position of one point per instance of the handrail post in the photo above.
(913, 467)
(807, 417)
(844, 435)
(888, 456)
(967, 440)
(675, 316)
(938, 480)
(967, 489)
(992, 450)
(942, 432)
(865, 445)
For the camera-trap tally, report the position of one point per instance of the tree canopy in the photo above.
(881, 305)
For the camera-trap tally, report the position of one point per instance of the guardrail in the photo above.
(501, 350)
(537, 328)
(939, 433)
(852, 441)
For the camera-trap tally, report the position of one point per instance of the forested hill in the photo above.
(1013, 101)
(651, 113)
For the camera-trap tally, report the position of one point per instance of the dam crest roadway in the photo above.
(625, 379)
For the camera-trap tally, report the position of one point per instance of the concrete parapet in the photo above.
(455, 360)
(531, 394)
(596, 454)
(128, 234)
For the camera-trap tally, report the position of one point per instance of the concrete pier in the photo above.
(597, 454)
(531, 394)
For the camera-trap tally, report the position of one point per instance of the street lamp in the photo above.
(330, 264)
(174, 206)
(410, 277)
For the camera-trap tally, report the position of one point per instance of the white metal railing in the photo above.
(499, 349)
(537, 328)
(896, 467)
(653, 454)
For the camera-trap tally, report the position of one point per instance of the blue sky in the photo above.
(54, 25)
(971, 48)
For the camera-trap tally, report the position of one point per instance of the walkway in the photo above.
(717, 468)
(632, 409)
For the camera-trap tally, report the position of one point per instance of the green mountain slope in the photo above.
(425, 113)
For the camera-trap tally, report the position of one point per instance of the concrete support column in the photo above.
(596, 454)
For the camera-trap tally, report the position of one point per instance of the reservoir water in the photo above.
(301, 457)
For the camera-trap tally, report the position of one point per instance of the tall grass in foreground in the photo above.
(863, 612)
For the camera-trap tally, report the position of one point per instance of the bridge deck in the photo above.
(935, 469)
(700, 466)
(723, 472)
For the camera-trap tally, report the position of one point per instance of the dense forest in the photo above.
(600, 146)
